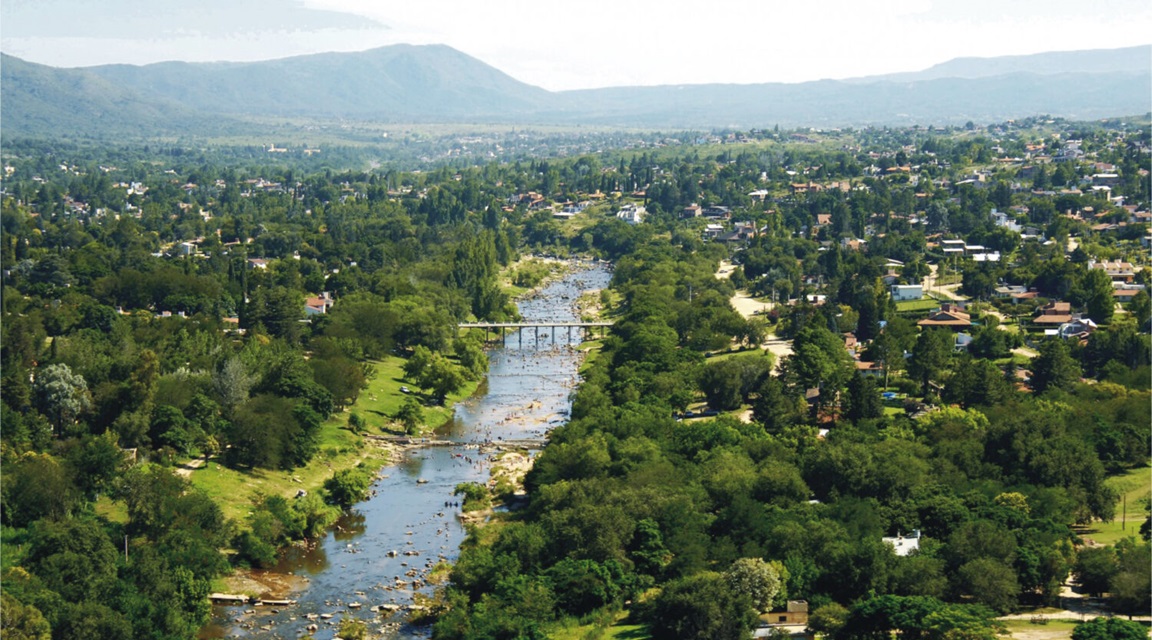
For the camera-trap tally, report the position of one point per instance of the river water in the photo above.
(379, 553)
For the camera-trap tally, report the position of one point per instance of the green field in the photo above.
(1134, 488)
(618, 631)
(924, 304)
(1050, 630)
(339, 447)
(383, 397)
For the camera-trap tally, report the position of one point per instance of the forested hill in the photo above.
(415, 84)
(402, 83)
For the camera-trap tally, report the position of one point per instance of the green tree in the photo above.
(36, 486)
(820, 361)
(991, 583)
(1141, 309)
(348, 486)
(441, 377)
(863, 398)
(1131, 586)
(411, 415)
(19, 621)
(1107, 628)
(95, 462)
(1098, 299)
(760, 581)
(776, 408)
(74, 558)
(828, 619)
(1054, 368)
(930, 356)
(61, 395)
(232, 383)
(701, 607)
(90, 620)
(277, 309)
(1095, 567)
(582, 586)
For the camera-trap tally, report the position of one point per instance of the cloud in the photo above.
(153, 19)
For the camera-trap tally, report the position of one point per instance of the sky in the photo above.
(562, 44)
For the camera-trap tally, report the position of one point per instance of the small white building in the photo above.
(907, 292)
(632, 214)
(904, 545)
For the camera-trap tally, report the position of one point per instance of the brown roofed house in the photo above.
(947, 315)
(1053, 313)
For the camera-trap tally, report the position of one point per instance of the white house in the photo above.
(907, 292)
(632, 214)
(904, 545)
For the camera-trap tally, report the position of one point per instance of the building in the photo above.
(948, 315)
(1078, 328)
(904, 545)
(691, 211)
(791, 621)
(1053, 314)
(319, 304)
(907, 292)
(1126, 293)
(869, 369)
(632, 214)
(1117, 270)
(952, 247)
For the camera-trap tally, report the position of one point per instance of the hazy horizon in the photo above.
(593, 44)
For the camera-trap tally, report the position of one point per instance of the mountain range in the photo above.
(438, 84)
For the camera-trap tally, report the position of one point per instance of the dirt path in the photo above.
(743, 303)
(187, 468)
(944, 291)
(747, 307)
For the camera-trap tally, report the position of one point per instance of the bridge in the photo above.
(587, 327)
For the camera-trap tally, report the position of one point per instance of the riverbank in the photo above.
(340, 447)
(393, 546)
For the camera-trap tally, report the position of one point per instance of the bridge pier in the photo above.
(536, 327)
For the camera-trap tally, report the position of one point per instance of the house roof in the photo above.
(1056, 308)
(1052, 319)
(947, 316)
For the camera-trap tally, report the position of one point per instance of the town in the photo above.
(843, 381)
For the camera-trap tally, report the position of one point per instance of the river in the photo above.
(379, 553)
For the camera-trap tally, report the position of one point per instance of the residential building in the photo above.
(632, 213)
(904, 545)
(1117, 270)
(907, 292)
(948, 315)
(1053, 314)
(318, 305)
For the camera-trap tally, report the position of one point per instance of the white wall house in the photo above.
(907, 292)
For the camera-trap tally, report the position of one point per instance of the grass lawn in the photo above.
(592, 348)
(570, 630)
(1051, 630)
(382, 399)
(112, 510)
(339, 447)
(749, 352)
(1135, 486)
(924, 304)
